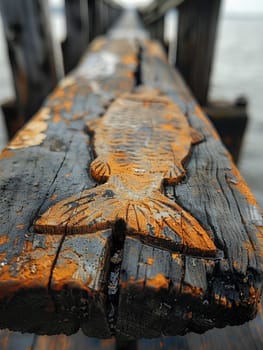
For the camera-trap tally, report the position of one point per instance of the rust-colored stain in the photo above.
(31, 269)
(20, 226)
(129, 59)
(65, 274)
(6, 154)
(241, 185)
(150, 261)
(32, 134)
(53, 197)
(158, 282)
(68, 105)
(98, 44)
(208, 125)
(107, 343)
(4, 239)
(57, 118)
(194, 291)
(140, 143)
(79, 116)
(155, 49)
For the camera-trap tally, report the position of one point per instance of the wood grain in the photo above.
(116, 282)
(33, 177)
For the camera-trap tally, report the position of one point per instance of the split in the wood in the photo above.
(141, 142)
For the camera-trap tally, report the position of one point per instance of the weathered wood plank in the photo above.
(79, 283)
(215, 194)
(119, 282)
(46, 162)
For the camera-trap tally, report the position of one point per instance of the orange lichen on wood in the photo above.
(239, 183)
(129, 59)
(57, 118)
(155, 49)
(82, 262)
(30, 270)
(6, 154)
(32, 134)
(209, 128)
(159, 281)
(20, 226)
(140, 142)
(194, 291)
(150, 261)
(98, 44)
(4, 238)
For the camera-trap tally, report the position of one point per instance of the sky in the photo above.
(241, 7)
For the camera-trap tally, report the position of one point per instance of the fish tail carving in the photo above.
(155, 218)
(179, 228)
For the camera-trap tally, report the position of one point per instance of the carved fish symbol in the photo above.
(140, 143)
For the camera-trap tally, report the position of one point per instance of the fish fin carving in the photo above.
(197, 137)
(87, 212)
(100, 170)
(155, 219)
(174, 175)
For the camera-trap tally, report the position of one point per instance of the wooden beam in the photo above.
(121, 211)
(157, 9)
(198, 21)
(31, 56)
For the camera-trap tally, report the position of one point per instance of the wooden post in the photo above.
(77, 20)
(196, 41)
(31, 57)
(94, 19)
(91, 13)
(101, 16)
(156, 29)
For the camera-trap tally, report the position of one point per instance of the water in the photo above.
(238, 70)
(6, 86)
